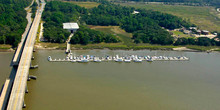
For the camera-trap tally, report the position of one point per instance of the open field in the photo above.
(180, 34)
(84, 4)
(206, 18)
(116, 30)
(203, 48)
(5, 46)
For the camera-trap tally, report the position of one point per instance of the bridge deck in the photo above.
(18, 90)
(3, 94)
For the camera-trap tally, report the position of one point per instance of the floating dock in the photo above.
(117, 58)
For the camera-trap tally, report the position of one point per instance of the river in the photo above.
(160, 85)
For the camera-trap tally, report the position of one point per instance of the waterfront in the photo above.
(160, 85)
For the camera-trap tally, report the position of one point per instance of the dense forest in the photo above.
(56, 13)
(201, 41)
(145, 26)
(34, 9)
(85, 35)
(12, 20)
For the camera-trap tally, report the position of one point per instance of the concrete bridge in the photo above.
(14, 89)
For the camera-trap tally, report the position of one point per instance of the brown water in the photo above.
(5, 69)
(160, 85)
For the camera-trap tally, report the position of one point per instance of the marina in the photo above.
(166, 85)
(116, 58)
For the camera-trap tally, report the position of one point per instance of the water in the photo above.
(160, 85)
(5, 69)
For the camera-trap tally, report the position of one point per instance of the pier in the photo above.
(117, 58)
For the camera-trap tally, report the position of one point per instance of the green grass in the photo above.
(116, 30)
(5, 46)
(84, 4)
(180, 34)
(203, 48)
(204, 17)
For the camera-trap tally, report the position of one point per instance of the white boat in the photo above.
(150, 60)
(97, 60)
(83, 60)
(119, 60)
(73, 61)
(127, 60)
(137, 60)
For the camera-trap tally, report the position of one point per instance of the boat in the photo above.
(96, 59)
(49, 58)
(137, 60)
(150, 60)
(83, 60)
(73, 61)
(119, 60)
(127, 60)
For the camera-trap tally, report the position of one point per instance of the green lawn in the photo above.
(204, 17)
(180, 34)
(116, 30)
(5, 46)
(84, 4)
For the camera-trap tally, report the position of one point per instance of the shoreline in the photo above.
(183, 49)
(51, 46)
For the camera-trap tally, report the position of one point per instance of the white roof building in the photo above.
(135, 12)
(72, 27)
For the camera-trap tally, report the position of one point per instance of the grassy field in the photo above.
(204, 48)
(5, 46)
(116, 30)
(85, 4)
(204, 17)
(180, 34)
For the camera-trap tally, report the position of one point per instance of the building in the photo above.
(193, 28)
(135, 12)
(205, 32)
(72, 27)
(186, 31)
(199, 32)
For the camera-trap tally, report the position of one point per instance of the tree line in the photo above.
(201, 41)
(12, 20)
(34, 9)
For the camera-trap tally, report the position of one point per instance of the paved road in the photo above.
(18, 90)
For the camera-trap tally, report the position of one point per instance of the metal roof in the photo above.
(70, 26)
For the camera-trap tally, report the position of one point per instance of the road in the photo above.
(19, 86)
(16, 57)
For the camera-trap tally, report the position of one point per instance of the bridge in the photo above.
(14, 89)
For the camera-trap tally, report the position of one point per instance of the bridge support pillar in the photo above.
(26, 89)
(28, 79)
(24, 105)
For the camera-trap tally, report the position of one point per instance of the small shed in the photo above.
(135, 12)
(205, 32)
(199, 32)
